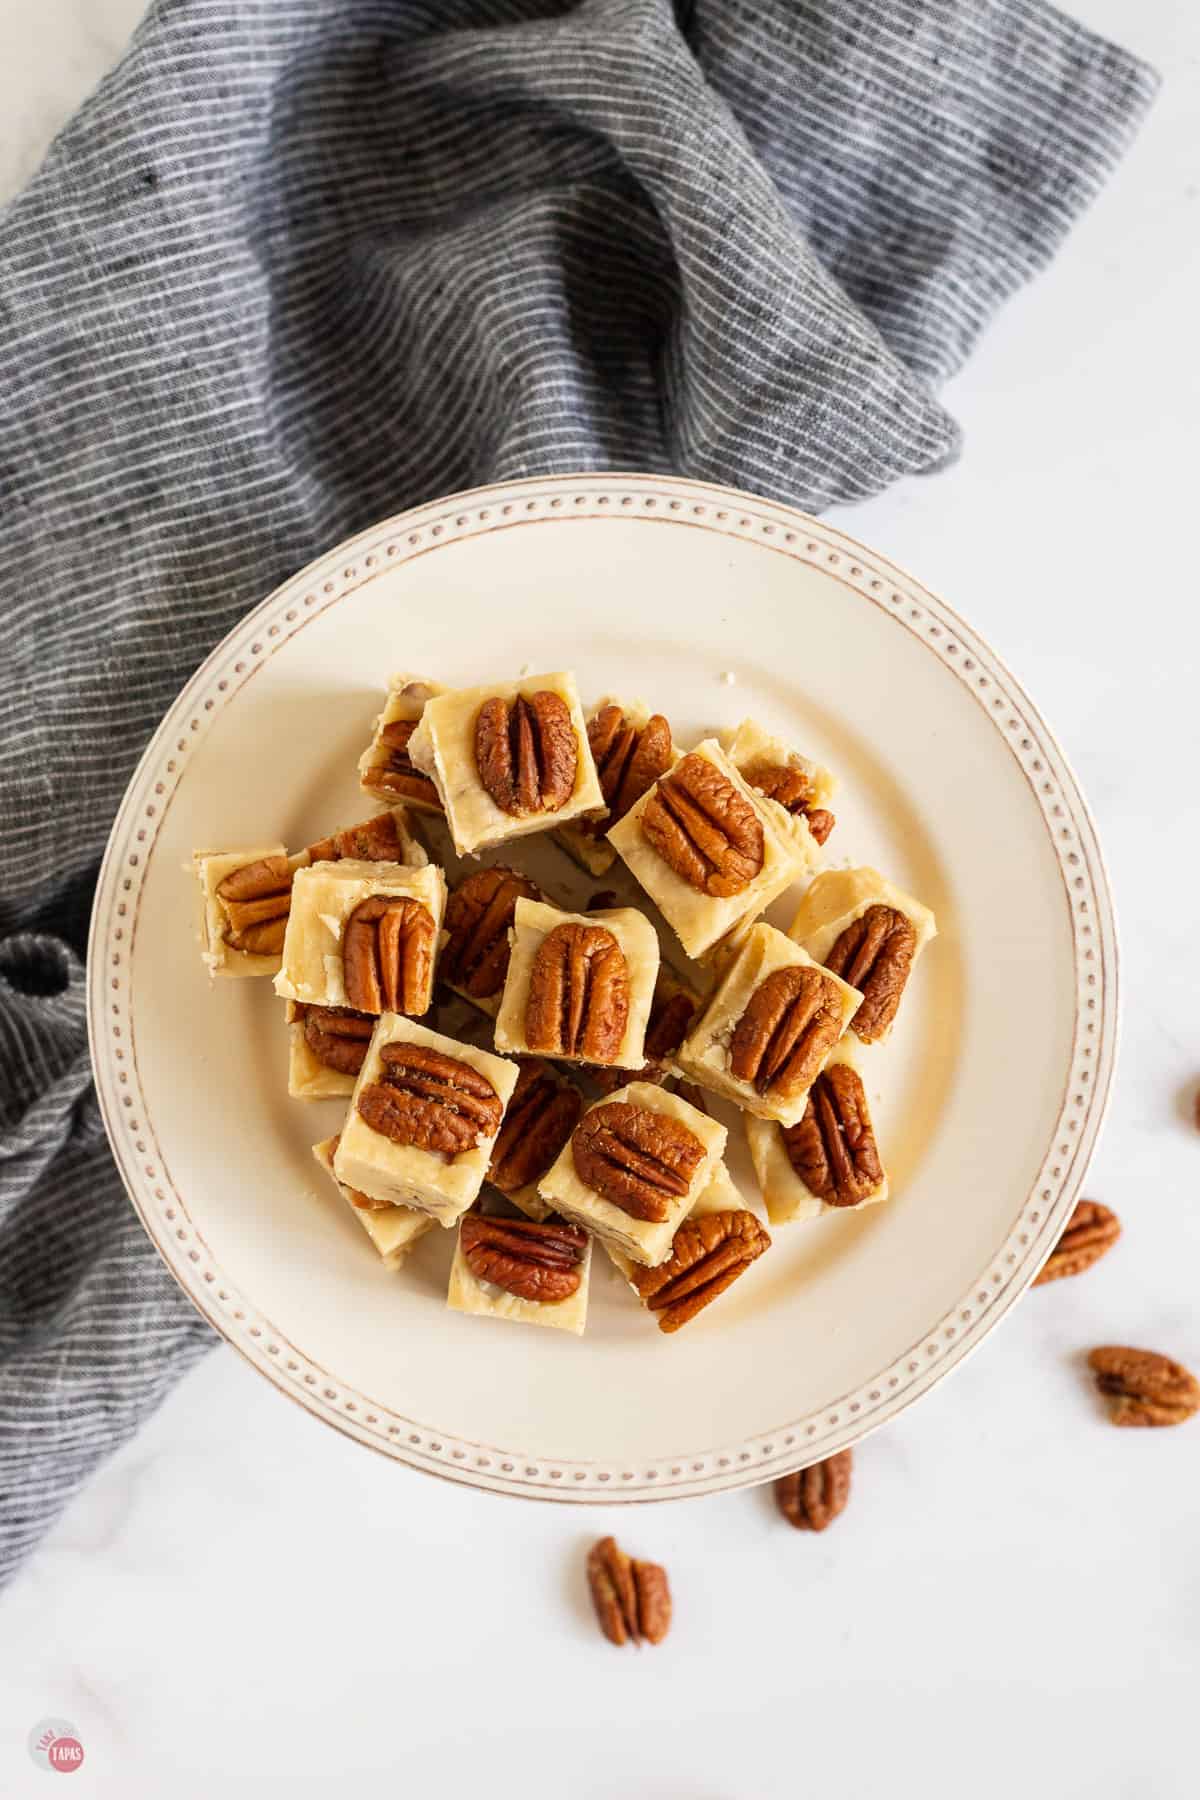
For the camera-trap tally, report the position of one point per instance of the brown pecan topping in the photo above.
(534, 1262)
(704, 828)
(875, 955)
(669, 1022)
(791, 789)
(1091, 1230)
(393, 770)
(578, 1002)
(812, 1498)
(541, 1115)
(833, 1148)
(526, 752)
(1146, 1388)
(707, 1256)
(257, 899)
(632, 1599)
(791, 1023)
(337, 1036)
(639, 1159)
(820, 822)
(479, 914)
(388, 955)
(431, 1100)
(628, 761)
(375, 840)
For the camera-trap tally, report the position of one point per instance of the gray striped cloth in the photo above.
(301, 263)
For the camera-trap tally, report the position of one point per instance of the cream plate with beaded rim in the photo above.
(988, 1098)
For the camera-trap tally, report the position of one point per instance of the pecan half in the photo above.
(707, 1256)
(704, 828)
(526, 752)
(257, 899)
(628, 760)
(632, 1599)
(430, 1100)
(541, 1115)
(375, 840)
(578, 1001)
(821, 822)
(791, 1022)
(534, 1262)
(337, 1036)
(1091, 1232)
(792, 789)
(1145, 1388)
(388, 955)
(669, 1022)
(639, 1159)
(812, 1498)
(393, 771)
(875, 956)
(833, 1148)
(479, 914)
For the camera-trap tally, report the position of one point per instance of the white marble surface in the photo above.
(245, 1603)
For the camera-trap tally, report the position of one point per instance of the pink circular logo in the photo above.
(66, 1754)
(54, 1746)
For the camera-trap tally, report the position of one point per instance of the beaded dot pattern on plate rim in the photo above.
(807, 540)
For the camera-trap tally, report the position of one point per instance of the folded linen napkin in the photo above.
(297, 266)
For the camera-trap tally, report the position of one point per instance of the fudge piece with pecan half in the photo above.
(392, 1229)
(423, 1119)
(828, 1161)
(706, 848)
(479, 918)
(363, 935)
(715, 1245)
(634, 1167)
(631, 747)
(795, 785)
(868, 932)
(385, 768)
(579, 985)
(542, 1114)
(534, 1273)
(326, 1048)
(507, 759)
(769, 1027)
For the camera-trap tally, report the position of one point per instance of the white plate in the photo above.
(988, 1098)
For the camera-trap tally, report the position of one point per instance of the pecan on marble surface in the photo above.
(632, 1599)
(790, 1024)
(526, 752)
(704, 828)
(578, 1001)
(833, 1148)
(432, 1101)
(875, 955)
(387, 953)
(532, 1262)
(810, 1499)
(707, 1256)
(1145, 1387)
(541, 1115)
(257, 899)
(1090, 1233)
(479, 914)
(628, 759)
(637, 1158)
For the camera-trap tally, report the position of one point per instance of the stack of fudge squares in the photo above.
(587, 1119)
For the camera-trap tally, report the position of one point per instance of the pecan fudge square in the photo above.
(868, 932)
(714, 1246)
(579, 985)
(507, 759)
(828, 1161)
(527, 1272)
(392, 1229)
(363, 935)
(631, 747)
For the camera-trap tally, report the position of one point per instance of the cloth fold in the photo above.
(297, 266)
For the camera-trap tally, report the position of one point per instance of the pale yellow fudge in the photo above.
(869, 931)
(768, 859)
(440, 1182)
(385, 769)
(643, 1240)
(324, 898)
(509, 793)
(830, 1161)
(252, 916)
(796, 789)
(467, 1293)
(533, 964)
(761, 1019)
(392, 1229)
(627, 762)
